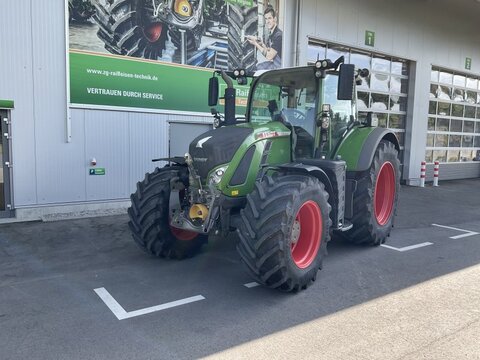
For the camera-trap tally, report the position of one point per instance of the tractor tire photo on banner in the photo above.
(219, 34)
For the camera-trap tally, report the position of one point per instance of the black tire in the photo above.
(266, 231)
(371, 225)
(241, 21)
(128, 27)
(149, 222)
(193, 38)
(80, 10)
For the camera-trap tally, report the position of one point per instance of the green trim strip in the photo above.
(6, 104)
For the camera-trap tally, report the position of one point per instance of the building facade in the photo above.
(423, 57)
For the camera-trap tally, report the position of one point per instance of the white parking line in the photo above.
(467, 232)
(121, 314)
(251, 285)
(407, 248)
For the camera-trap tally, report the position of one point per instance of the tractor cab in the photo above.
(310, 101)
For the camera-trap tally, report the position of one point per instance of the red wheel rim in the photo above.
(306, 243)
(183, 235)
(384, 196)
(153, 32)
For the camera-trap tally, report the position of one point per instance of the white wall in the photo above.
(46, 168)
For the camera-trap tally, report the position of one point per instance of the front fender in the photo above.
(358, 147)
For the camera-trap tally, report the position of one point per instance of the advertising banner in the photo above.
(159, 54)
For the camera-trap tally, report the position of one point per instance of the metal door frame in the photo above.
(5, 127)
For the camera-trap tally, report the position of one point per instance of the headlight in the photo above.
(217, 175)
(183, 8)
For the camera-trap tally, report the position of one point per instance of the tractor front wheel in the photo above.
(284, 231)
(149, 217)
(375, 202)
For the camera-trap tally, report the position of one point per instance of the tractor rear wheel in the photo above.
(242, 21)
(128, 27)
(376, 198)
(284, 230)
(149, 217)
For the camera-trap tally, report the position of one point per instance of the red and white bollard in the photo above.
(423, 171)
(436, 168)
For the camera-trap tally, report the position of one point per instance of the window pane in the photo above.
(429, 156)
(363, 101)
(398, 103)
(396, 121)
(459, 80)
(471, 97)
(440, 155)
(468, 126)
(432, 109)
(400, 137)
(434, 75)
(457, 110)
(477, 142)
(467, 155)
(382, 119)
(316, 52)
(398, 85)
(442, 124)
(444, 92)
(458, 95)
(477, 127)
(470, 112)
(430, 138)
(399, 67)
(467, 141)
(362, 61)
(446, 78)
(431, 124)
(379, 102)
(379, 82)
(443, 109)
(472, 83)
(334, 52)
(441, 140)
(456, 126)
(454, 140)
(453, 155)
(433, 91)
(380, 64)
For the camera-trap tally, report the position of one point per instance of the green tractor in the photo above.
(297, 168)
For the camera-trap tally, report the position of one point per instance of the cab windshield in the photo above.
(291, 93)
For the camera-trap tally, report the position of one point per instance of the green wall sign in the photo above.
(97, 171)
(468, 63)
(369, 38)
(6, 104)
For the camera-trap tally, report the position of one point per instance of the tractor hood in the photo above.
(216, 147)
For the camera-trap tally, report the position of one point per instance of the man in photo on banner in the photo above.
(273, 49)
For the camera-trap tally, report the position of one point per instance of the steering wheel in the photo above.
(294, 116)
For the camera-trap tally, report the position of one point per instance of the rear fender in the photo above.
(358, 148)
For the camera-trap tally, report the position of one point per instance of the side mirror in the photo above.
(213, 91)
(345, 82)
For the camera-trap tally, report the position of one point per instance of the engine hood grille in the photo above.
(216, 147)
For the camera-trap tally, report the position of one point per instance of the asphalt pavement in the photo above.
(81, 289)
